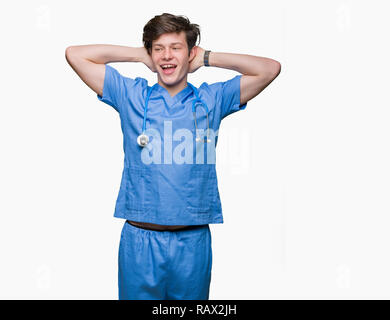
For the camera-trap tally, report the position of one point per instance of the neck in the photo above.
(175, 88)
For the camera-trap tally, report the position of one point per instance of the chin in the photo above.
(169, 80)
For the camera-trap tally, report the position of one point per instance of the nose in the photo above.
(167, 54)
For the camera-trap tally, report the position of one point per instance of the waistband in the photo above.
(149, 227)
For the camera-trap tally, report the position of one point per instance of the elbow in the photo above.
(72, 54)
(276, 68)
(72, 51)
(68, 51)
(271, 70)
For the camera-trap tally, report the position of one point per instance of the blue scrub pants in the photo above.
(164, 265)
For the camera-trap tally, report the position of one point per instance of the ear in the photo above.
(193, 53)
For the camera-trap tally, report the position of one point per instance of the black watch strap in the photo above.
(206, 58)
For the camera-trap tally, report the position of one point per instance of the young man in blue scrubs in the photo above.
(169, 194)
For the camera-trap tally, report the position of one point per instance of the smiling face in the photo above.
(170, 56)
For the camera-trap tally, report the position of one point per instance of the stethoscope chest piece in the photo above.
(198, 139)
(142, 140)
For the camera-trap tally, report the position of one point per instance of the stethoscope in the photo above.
(143, 139)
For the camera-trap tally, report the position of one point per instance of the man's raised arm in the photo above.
(257, 72)
(88, 61)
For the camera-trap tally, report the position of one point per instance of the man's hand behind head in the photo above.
(147, 60)
(197, 61)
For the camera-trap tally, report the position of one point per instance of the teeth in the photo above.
(167, 66)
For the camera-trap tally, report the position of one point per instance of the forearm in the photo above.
(243, 63)
(105, 53)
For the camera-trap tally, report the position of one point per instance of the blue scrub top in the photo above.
(177, 187)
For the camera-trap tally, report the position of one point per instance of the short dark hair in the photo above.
(167, 23)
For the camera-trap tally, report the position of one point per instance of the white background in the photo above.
(303, 171)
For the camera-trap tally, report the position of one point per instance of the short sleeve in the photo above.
(228, 96)
(114, 88)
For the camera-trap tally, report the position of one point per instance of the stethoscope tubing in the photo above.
(196, 102)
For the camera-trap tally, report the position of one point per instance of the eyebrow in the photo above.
(174, 43)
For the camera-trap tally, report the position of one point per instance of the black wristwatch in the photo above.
(206, 58)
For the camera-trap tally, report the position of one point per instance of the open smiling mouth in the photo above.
(168, 68)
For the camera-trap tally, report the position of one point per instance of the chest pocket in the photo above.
(201, 189)
(135, 189)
